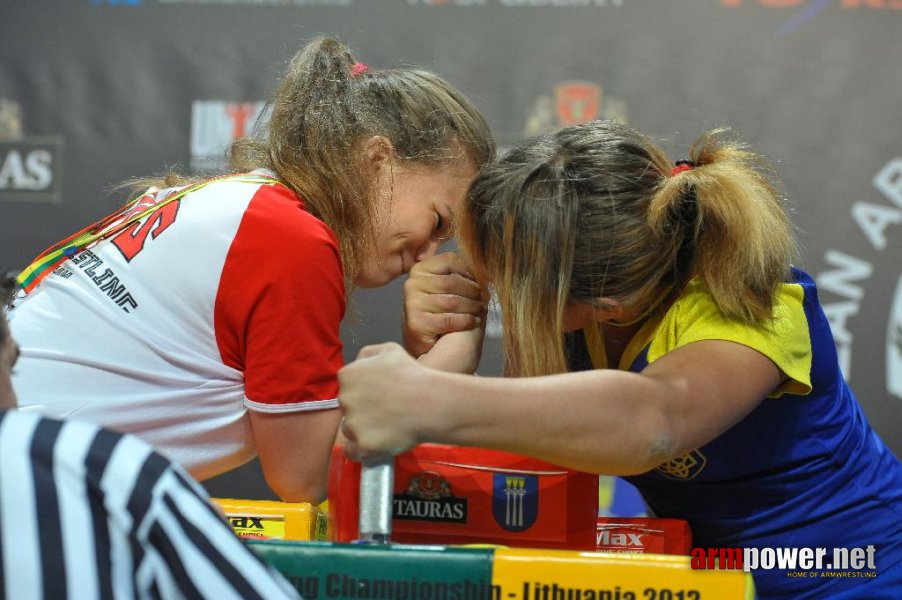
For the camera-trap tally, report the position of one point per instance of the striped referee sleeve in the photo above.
(88, 513)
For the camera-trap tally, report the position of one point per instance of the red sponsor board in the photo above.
(643, 536)
(453, 495)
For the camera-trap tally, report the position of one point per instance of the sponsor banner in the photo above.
(400, 572)
(30, 166)
(30, 169)
(429, 498)
(845, 284)
(643, 536)
(548, 575)
(271, 520)
(261, 527)
(383, 572)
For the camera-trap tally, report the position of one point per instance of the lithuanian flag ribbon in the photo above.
(55, 255)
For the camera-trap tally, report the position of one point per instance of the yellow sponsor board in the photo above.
(520, 574)
(271, 520)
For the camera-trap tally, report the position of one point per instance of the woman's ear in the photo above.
(607, 309)
(377, 151)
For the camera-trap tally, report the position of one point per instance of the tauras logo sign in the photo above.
(428, 498)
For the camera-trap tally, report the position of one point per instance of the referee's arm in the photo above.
(197, 553)
(89, 513)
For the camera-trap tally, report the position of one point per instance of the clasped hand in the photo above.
(382, 391)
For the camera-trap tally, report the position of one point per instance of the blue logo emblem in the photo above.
(515, 500)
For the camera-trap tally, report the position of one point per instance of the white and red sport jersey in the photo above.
(226, 300)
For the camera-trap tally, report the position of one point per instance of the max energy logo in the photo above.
(29, 165)
(847, 273)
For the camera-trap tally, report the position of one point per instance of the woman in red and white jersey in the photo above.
(204, 316)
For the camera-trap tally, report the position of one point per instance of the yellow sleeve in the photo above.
(784, 339)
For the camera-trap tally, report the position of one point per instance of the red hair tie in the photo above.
(358, 69)
(682, 165)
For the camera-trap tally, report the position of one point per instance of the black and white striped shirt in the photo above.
(88, 513)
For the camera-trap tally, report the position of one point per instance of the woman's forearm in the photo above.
(600, 421)
(457, 352)
(604, 421)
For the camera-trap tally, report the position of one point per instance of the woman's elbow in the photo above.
(651, 451)
(313, 492)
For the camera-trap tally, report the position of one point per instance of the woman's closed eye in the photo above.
(442, 227)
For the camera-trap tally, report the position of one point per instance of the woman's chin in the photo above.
(375, 279)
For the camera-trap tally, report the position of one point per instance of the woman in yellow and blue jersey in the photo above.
(655, 329)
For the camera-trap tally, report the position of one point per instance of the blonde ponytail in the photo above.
(740, 236)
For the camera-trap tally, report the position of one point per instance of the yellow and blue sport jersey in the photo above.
(804, 469)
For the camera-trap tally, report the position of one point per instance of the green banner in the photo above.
(396, 572)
